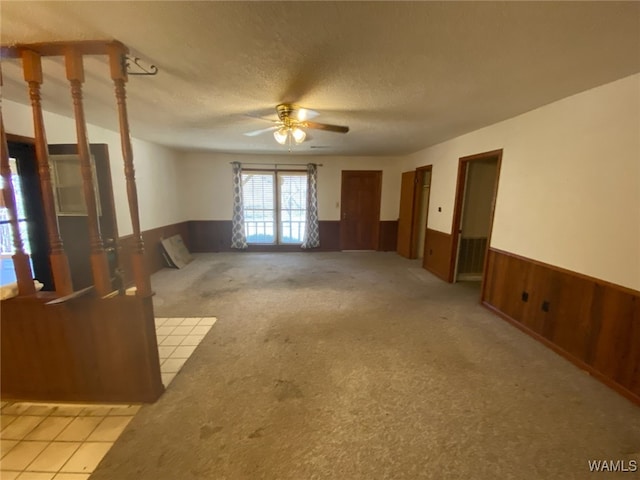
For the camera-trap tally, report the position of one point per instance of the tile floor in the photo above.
(177, 340)
(41, 441)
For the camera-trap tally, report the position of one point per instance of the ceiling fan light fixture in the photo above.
(298, 134)
(281, 135)
(292, 123)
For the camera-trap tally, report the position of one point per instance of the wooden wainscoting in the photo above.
(202, 236)
(153, 252)
(210, 235)
(84, 349)
(329, 235)
(437, 255)
(593, 323)
(215, 236)
(388, 236)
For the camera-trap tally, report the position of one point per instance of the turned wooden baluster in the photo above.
(32, 69)
(99, 262)
(119, 77)
(21, 263)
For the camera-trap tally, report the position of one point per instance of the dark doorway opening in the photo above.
(476, 193)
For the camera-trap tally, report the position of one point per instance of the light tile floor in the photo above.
(41, 441)
(58, 441)
(177, 340)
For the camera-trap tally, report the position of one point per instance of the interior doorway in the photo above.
(413, 218)
(473, 215)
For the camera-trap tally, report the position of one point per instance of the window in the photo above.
(7, 274)
(68, 187)
(274, 207)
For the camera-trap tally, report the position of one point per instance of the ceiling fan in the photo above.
(291, 121)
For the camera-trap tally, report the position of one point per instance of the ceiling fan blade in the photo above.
(271, 120)
(302, 114)
(326, 126)
(262, 130)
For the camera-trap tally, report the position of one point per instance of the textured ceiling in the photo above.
(402, 75)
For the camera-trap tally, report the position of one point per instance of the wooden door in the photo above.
(407, 212)
(360, 209)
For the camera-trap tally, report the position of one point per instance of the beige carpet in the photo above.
(362, 366)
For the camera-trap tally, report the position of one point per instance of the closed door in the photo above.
(360, 209)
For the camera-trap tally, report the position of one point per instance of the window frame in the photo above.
(277, 207)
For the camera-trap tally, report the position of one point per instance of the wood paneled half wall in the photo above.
(153, 253)
(82, 349)
(593, 323)
(215, 236)
(202, 236)
(437, 255)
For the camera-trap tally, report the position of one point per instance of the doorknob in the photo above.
(344, 215)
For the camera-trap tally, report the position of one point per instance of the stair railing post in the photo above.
(119, 77)
(99, 263)
(32, 70)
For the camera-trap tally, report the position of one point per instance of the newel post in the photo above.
(32, 70)
(119, 77)
(99, 262)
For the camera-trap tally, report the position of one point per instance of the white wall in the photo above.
(569, 191)
(156, 166)
(205, 182)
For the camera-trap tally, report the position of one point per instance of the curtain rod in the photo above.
(278, 164)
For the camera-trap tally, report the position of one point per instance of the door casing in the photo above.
(459, 202)
(409, 225)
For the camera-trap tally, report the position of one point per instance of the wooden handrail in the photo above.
(72, 296)
(53, 49)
